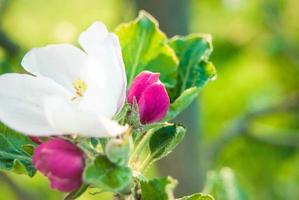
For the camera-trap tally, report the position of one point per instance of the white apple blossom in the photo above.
(70, 91)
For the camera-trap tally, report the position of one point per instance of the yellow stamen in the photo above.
(80, 87)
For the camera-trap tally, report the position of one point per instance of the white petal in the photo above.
(65, 117)
(98, 100)
(122, 96)
(99, 97)
(105, 48)
(62, 63)
(22, 102)
(94, 35)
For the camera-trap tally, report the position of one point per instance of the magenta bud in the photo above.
(62, 162)
(151, 97)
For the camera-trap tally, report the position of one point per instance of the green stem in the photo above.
(141, 145)
(145, 163)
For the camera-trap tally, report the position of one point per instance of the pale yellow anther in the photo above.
(80, 87)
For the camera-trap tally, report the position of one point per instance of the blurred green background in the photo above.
(246, 120)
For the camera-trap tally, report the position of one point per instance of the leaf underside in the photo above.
(165, 140)
(15, 152)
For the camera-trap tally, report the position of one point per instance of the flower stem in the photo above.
(140, 146)
(145, 163)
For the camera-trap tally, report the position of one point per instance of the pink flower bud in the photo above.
(62, 162)
(151, 97)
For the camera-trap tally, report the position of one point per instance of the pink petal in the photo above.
(153, 104)
(140, 83)
(64, 185)
(62, 162)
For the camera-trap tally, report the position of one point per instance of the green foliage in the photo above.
(165, 140)
(4, 66)
(77, 193)
(158, 189)
(223, 185)
(106, 175)
(197, 196)
(194, 70)
(182, 102)
(15, 152)
(145, 47)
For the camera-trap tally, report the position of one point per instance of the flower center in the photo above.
(80, 87)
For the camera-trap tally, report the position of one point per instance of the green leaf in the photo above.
(194, 71)
(15, 152)
(29, 148)
(223, 185)
(197, 196)
(145, 47)
(77, 193)
(194, 68)
(158, 189)
(181, 103)
(165, 140)
(108, 176)
(155, 126)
